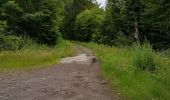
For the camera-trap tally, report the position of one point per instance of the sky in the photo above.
(102, 2)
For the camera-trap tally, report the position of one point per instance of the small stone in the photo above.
(103, 82)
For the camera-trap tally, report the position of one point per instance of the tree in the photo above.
(71, 11)
(133, 14)
(88, 24)
(37, 18)
(155, 22)
(114, 22)
(11, 13)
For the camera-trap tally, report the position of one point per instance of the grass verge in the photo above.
(119, 69)
(35, 56)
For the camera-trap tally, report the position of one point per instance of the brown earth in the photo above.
(76, 80)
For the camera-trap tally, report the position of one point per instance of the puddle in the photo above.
(77, 59)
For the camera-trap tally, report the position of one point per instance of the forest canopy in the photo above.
(121, 22)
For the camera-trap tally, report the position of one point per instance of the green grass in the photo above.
(144, 58)
(35, 56)
(119, 69)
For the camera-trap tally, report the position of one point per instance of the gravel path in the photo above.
(75, 78)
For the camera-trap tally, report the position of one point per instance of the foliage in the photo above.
(14, 43)
(139, 19)
(155, 22)
(119, 70)
(9, 43)
(166, 53)
(72, 10)
(38, 19)
(34, 56)
(88, 23)
(2, 27)
(144, 58)
(120, 22)
(121, 39)
(11, 13)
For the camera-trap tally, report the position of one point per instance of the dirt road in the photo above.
(75, 78)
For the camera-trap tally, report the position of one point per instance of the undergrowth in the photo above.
(150, 82)
(34, 55)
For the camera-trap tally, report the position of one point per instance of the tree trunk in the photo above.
(136, 34)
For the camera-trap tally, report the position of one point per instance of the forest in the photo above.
(131, 39)
(121, 22)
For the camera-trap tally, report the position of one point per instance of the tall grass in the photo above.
(34, 55)
(143, 57)
(119, 67)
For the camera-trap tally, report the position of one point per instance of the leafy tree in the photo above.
(71, 11)
(37, 18)
(114, 21)
(88, 24)
(11, 13)
(155, 22)
(41, 24)
(133, 14)
(124, 16)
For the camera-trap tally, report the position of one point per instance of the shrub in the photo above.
(27, 43)
(166, 53)
(143, 58)
(9, 43)
(97, 37)
(2, 26)
(121, 39)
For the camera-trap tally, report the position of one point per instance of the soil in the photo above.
(75, 78)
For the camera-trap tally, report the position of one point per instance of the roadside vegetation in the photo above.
(30, 34)
(137, 73)
(35, 56)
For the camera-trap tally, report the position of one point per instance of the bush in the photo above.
(143, 58)
(97, 37)
(2, 26)
(10, 43)
(122, 40)
(166, 53)
(13, 43)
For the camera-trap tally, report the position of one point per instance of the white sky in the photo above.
(102, 2)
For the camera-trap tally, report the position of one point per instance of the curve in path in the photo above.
(75, 78)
